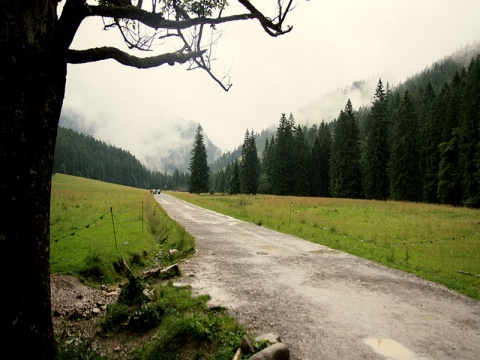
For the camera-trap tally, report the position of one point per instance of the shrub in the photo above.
(77, 348)
(145, 317)
(117, 315)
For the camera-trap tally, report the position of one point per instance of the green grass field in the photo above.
(438, 243)
(87, 241)
(93, 224)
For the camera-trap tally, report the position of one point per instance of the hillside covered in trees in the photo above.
(417, 142)
(82, 155)
(161, 148)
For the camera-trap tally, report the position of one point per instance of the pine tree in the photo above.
(269, 161)
(250, 165)
(199, 170)
(404, 163)
(264, 185)
(345, 173)
(431, 115)
(449, 182)
(469, 136)
(234, 182)
(447, 108)
(282, 178)
(264, 158)
(320, 162)
(375, 151)
(301, 186)
(311, 135)
(176, 179)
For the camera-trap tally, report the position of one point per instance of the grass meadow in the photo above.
(93, 224)
(435, 242)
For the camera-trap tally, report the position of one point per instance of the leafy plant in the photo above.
(117, 315)
(147, 316)
(77, 348)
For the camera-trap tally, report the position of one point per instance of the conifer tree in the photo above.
(234, 182)
(311, 135)
(320, 162)
(268, 163)
(264, 157)
(250, 165)
(199, 170)
(282, 178)
(469, 136)
(176, 179)
(449, 181)
(264, 185)
(218, 181)
(404, 163)
(345, 174)
(301, 186)
(430, 118)
(447, 108)
(375, 151)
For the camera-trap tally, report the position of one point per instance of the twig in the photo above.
(468, 273)
(237, 354)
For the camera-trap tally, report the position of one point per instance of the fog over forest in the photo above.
(166, 144)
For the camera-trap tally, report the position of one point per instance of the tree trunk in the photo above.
(32, 86)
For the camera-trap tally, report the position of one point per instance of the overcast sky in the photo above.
(333, 43)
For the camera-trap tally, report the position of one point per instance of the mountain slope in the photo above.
(163, 148)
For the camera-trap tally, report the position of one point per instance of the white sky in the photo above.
(333, 43)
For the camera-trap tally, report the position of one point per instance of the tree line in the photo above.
(81, 155)
(420, 142)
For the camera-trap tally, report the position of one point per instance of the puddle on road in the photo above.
(391, 349)
(262, 253)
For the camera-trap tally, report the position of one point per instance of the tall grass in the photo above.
(93, 224)
(438, 243)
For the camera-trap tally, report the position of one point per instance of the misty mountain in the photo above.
(82, 155)
(327, 106)
(163, 149)
(167, 145)
(360, 92)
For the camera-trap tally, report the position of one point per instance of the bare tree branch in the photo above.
(182, 20)
(157, 21)
(104, 53)
(271, 28)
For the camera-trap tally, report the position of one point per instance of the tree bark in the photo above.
(32, 87)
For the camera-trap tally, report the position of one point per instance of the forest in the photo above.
(84, 156)
(419, 142)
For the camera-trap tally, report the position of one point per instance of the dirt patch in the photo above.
(77, 311)
(77, 308)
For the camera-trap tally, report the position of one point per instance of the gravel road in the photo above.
(324, 304)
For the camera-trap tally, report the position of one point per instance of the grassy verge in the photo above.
(93, 225)
(438, 243)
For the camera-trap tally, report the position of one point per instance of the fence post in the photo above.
(113, 225)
